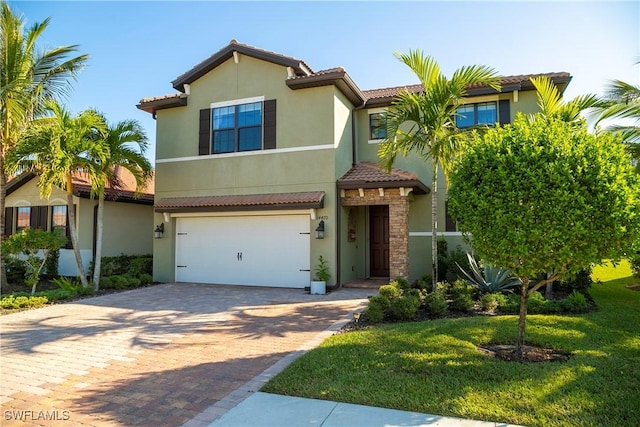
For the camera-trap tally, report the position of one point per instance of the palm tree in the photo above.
(57, 147)
(551, 103)
(28, 77)
(624, 103)
(120, 143)
(424, 122)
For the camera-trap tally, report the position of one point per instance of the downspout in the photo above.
(354, 161)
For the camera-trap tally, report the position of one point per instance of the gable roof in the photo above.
(300, 67)
(125, 193)
(370, 175)
(304, 77)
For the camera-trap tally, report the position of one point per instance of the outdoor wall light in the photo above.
(159, 231)
(320, 230)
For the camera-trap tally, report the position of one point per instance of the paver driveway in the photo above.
(156, 356)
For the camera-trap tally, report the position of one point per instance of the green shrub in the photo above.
(578, 302)
(51, 264)
(390, 291)
(141, 265)
(436, 303)
(15, 270)
(119, 282)
(377, 308)
(511, 305)
(424, 282)
(460, 288)
(11, 301)
(489, 302)
(146, 278)
(404, 308)
(106, 283)
(66, 284)
(132, 282)
(57, 294)
(463, 302)
(402, 283)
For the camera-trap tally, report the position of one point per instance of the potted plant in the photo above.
(319, 284)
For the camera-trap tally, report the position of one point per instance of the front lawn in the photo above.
(435, 367)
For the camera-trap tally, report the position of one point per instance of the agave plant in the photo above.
(490, 279)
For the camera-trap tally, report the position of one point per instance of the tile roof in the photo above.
(521, 79)
(303, 200)
(124, 190)
(370, 175)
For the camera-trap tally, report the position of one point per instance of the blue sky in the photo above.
(137, 48)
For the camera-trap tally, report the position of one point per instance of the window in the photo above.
(450, 224)
(377, 125)
(23, 218)
(59, 219)
(237, 128)
(483, 113)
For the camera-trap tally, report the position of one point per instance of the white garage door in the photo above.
(244, 250)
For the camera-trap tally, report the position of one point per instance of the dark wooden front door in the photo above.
(379, 240)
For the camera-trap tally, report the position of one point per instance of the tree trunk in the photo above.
(434, 224)
(548, 291)
(97, 262)
(3, 194)
(74, 233)
(524, 297)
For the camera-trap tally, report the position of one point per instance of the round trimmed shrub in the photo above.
(404, 308)
(377, 308)
(390, 291)
(436, 303)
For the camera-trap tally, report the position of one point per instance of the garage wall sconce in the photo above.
(320, 230)
(159, 231)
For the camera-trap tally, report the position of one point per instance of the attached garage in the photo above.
(259, 250)
(252, 240)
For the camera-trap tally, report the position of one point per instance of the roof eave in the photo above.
(340, 79)
(418, 186)
(161, 104)
(226, 53)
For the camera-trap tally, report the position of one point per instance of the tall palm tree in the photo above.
(424, 122)
(125, 144)
(56, 147)
(28, 77)
(551, 103)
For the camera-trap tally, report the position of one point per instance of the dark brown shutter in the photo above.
(204, 140)
(33, 217)
(69, 245)
(41, 214)
(504, 112)
(8, 221)
(270, 124)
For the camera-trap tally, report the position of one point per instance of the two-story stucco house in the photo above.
(258, 156)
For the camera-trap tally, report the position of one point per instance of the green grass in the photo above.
(434, 366)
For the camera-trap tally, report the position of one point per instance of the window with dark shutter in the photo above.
(8, 221)
(231, 128)
(205, 132)
(38, 218)
(504, 112)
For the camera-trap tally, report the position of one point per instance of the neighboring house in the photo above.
(128, 217)
(257, 151)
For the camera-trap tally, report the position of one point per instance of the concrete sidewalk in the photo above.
(271, 410)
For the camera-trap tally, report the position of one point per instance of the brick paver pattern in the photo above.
(153, 356)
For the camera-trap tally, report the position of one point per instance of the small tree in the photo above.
(36, 245)
(543, 195)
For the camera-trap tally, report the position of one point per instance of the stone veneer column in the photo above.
(399, 238)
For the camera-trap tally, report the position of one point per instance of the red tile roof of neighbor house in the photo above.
(302, 200)
(370, 175)
(124, 191)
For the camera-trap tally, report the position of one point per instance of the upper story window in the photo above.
(377, 125)
(235, 126)
(482, 113)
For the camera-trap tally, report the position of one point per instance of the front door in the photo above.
(379, 240)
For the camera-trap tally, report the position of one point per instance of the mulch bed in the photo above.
(530, 353)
